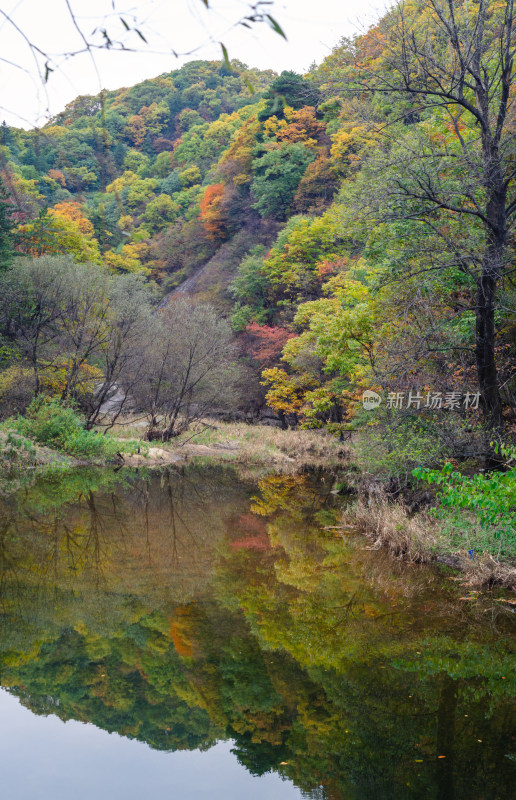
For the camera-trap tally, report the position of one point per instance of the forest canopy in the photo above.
(354, 224)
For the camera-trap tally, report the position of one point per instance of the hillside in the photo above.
(341, 221)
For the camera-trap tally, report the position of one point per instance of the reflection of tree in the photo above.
(300, 652)
(374, 726)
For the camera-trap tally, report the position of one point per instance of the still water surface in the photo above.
(190, 634)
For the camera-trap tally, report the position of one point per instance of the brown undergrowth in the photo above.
(418, 538)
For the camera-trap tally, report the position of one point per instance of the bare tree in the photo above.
(130, 326)
(188, 369)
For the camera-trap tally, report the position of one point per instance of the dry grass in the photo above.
(486, 571)
(248, 445)
(418, 539)
(261, 444)
(389, 525)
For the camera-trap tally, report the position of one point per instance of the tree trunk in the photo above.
(492, 269)
(485, 351)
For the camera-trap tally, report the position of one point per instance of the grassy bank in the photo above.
(424, 537)
(20, 452)
(253, 446)
(52, 436)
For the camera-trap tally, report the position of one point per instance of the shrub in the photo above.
(52, 423)
(391, 447)
(489, 498)
(15, 450)
(16, 389)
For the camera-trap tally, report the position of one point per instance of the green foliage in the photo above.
(249, 288)
(57, 425)
(276, 177)
(15, 450)
(391, 445)
(171, 183)
(6, 230)
(160, 211)
(491, 498)
(298, 261)
(288, 89)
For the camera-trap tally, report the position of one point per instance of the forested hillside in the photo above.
(353, 226)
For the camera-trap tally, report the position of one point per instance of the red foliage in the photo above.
(267, 342)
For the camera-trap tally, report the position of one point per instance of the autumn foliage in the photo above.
(212, 213)
(267, 342)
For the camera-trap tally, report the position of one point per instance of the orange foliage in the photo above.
(236, 161)
(317, 186)
(178, 632)
(72, 211)
(57, 176)
(327, 267)
(136, 130)
(303, 125)
(212, 213)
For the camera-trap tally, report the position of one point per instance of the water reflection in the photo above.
(189, 608)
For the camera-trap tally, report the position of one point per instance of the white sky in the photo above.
(312, 27)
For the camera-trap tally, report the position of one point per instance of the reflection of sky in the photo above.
(42, 758)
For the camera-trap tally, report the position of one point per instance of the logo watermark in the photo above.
(451, 401)
(371, 400)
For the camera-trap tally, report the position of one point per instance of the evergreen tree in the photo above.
(6, 226)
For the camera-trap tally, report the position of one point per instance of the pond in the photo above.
(189, 633)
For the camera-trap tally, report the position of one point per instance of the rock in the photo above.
(158, 453)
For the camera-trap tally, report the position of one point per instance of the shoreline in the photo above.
(418, 539)
(387, 524)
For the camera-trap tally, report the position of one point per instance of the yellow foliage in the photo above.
(286, 391)
(54, 378)
(14, 377)
(348, 144)
(128, 260)
(73, 211)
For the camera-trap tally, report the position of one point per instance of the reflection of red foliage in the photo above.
(250, 523)
(267, 342)
(178, 632)
(255, 534)
(259, 542)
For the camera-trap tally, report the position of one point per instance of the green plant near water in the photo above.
(52, 423)
(16, 448)
(490, 498)
(392, 446)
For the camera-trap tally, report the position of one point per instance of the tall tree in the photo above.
(6, 244)
(188, 369)
(453, 61)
